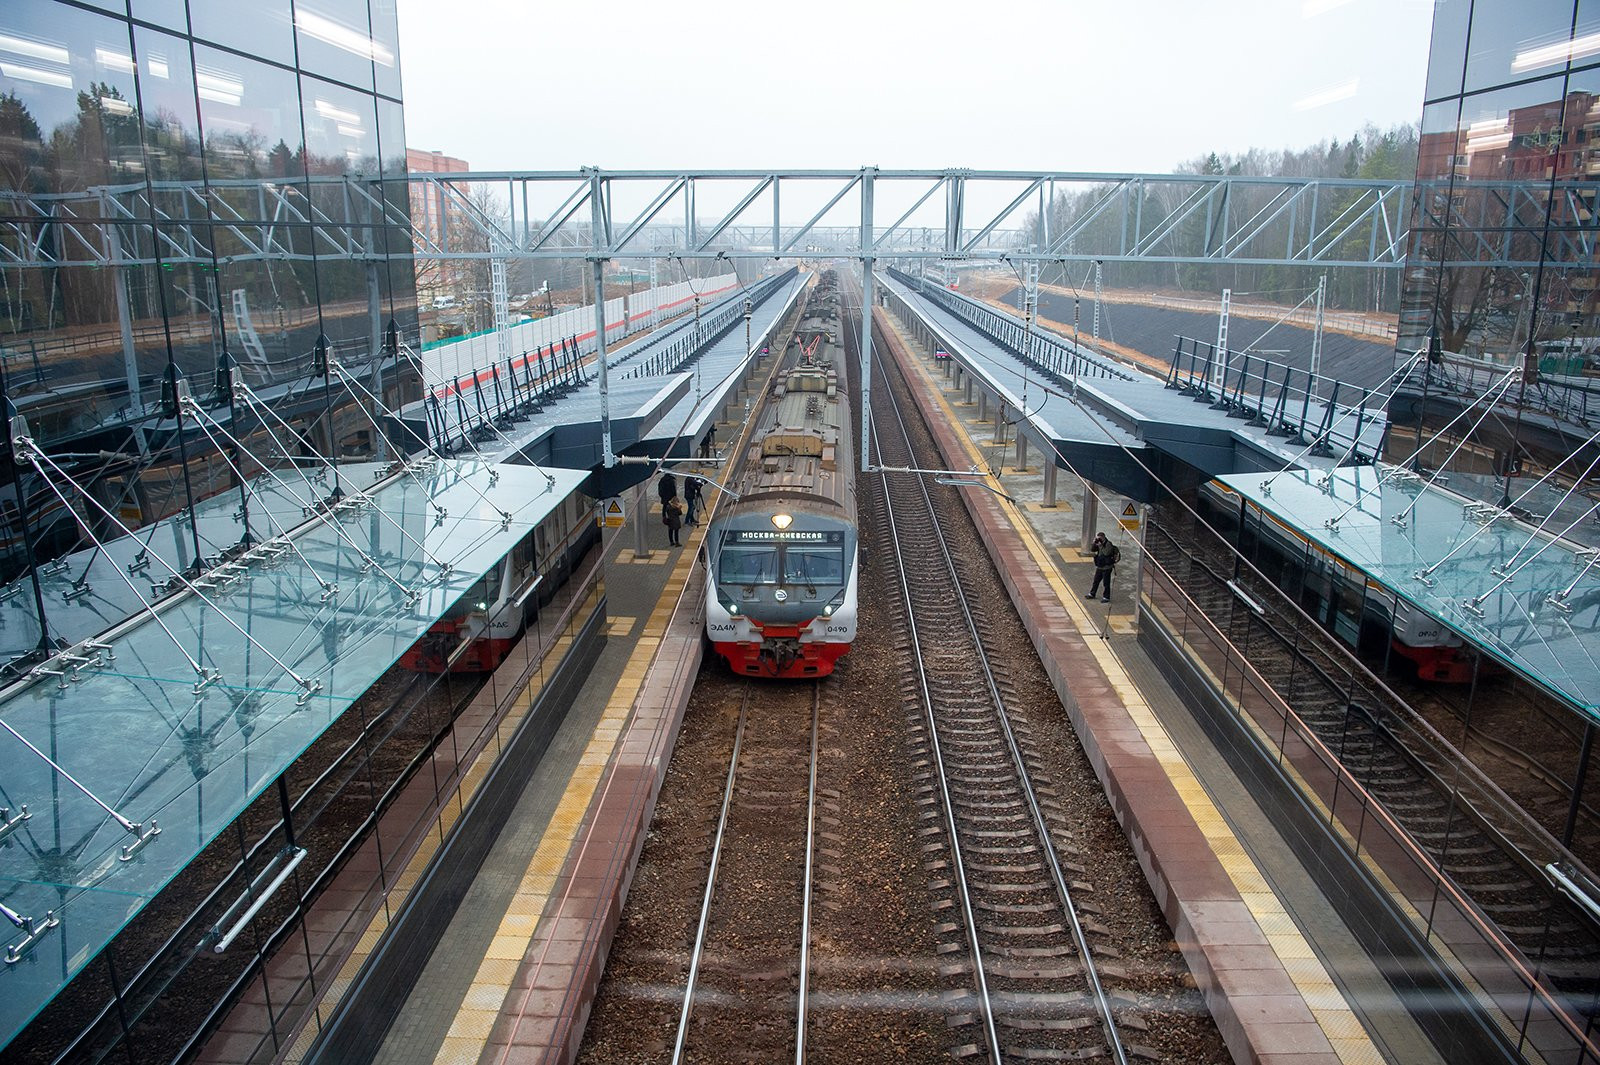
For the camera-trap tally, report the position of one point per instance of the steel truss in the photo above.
(948, 215)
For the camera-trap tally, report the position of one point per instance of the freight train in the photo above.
(1364, 614)
(782, 557)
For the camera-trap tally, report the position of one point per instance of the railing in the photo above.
(1281, 399)
(1526, 1008)
(1056, 358)
(1568, 398)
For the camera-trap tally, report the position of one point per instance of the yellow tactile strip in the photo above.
(1338, 1022)
(486, 996)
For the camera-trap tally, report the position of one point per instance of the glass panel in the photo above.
(261, 28)
(400, 283)
(1461, 560)
(1447, 55)
(1510, 42)
(136, 732)
(1472, 217)
(171, 124)
(173, 14)
(341, 130)
(1566, 332)
(251, 113)
(386, 36)
(336, 41)
(66, 79)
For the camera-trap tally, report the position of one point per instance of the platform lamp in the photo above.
(1435, 358)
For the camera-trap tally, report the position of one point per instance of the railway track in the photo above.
(884, 971)
(748, 968)
(1481, 858)
(1020, 918)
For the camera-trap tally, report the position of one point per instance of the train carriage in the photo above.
(1338, 594)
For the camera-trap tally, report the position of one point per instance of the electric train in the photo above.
(782, 557)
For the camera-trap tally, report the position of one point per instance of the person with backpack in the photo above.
(1106, 557)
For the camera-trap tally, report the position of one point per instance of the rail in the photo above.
(1526, 1011)
(927, 518)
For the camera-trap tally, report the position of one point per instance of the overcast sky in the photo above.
(1137, 85)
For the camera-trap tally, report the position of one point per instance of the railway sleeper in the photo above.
(1029, 931)
(1010, 971)
(1058, 950)
(1040, 886)
(1042, 1024)
(1016, 908)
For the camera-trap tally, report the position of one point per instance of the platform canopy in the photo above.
(1450, 557)
(144, 733)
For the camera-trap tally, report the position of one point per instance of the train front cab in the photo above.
(782, 603)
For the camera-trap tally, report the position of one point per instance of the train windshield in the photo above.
(813, 564)
(748, 564)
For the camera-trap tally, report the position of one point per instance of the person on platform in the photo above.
(1106, 557)
(691, 498)
(667, 488)
(672, 517)
(708, 441)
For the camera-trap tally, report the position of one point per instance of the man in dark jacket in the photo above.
(1106, 557)
(667, 487)
(691, 498)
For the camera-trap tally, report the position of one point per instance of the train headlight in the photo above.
(782, 521)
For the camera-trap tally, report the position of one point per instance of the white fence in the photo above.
(626, 314)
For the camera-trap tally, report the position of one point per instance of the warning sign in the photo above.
(1130, 517)
(612, 515)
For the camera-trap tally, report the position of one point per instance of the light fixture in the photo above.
(116, 106)
(113, 60)
(1559, 52)
(782, 521)
(335, 112)
(157, 66)
(44, 77)
(50, 53)
(353, 41)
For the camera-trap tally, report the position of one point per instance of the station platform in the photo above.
(516, 971)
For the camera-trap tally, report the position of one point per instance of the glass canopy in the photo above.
(1529, 597)
(187, 715)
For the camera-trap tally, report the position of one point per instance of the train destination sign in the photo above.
(748, 536)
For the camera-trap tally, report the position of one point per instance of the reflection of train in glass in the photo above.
(474, 635)
(781, 601)
(1362, 613)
